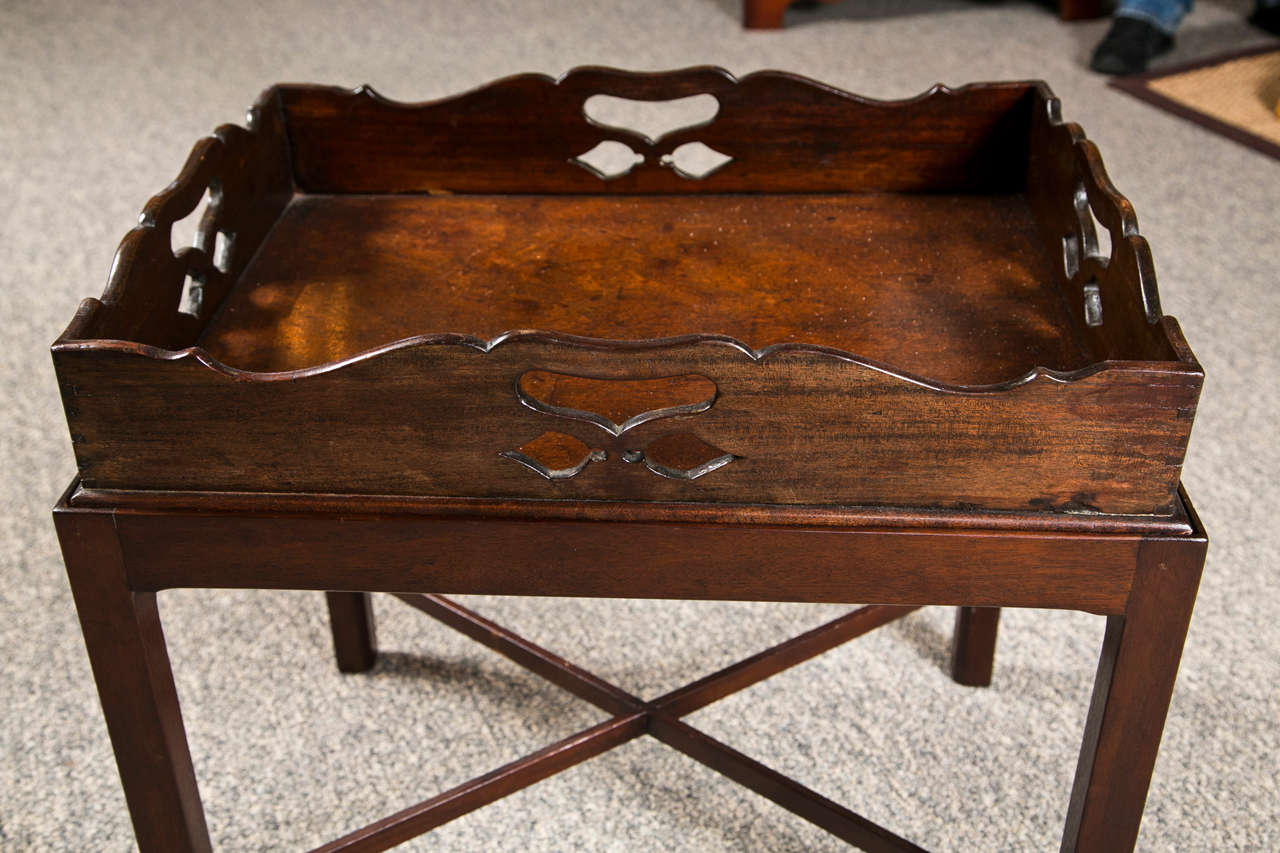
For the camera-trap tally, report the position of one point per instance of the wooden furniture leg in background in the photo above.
(1140, 655)
(351, 619)
(764, 14)
(973, 649)
(135, 684)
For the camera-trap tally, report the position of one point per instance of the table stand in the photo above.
(122, 547)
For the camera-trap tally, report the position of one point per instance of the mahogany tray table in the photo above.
(805, 347)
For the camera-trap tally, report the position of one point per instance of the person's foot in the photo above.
(1267, 18)
(1128, 46)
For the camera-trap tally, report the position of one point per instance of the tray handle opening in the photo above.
(194, 237)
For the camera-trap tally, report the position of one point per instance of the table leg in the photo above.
(135, 684)
(973, 649)
(763, 14)
(1140, 655)
(351, 620)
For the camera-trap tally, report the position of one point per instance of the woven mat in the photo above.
(1234, 95)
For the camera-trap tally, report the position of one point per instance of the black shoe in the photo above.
(1128, 47)
(1267, 19)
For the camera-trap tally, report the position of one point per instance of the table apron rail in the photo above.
(626, 559)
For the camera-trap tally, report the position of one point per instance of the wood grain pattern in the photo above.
(954, 288)
(496, 556)
(810, 428)
(555, 455)
(785, 133)
(681, 456)
(615, 404)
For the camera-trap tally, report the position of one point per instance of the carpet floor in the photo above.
(100, 106)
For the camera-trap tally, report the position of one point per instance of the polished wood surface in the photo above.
(803, 427)
(956, 289)
(394, 553)
(784, 133)
(1131, 694)
(351, 619)
(896, 304)
(973, 648)
(123, 636)
(848, 518)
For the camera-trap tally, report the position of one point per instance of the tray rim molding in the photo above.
(200, 355)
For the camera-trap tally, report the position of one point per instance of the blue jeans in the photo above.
(1165, 15)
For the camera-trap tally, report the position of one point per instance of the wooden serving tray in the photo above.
(844, 302)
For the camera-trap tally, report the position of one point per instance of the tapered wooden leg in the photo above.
(135, 684)
(973, 649)
(763, 14)
(1140, 656)
(351, 619)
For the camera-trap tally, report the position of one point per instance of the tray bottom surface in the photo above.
(955, 288)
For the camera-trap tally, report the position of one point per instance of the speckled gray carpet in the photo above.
(99, 106)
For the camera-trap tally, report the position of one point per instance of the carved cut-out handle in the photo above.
(651, 120)
(651, 85)
(615, 405)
